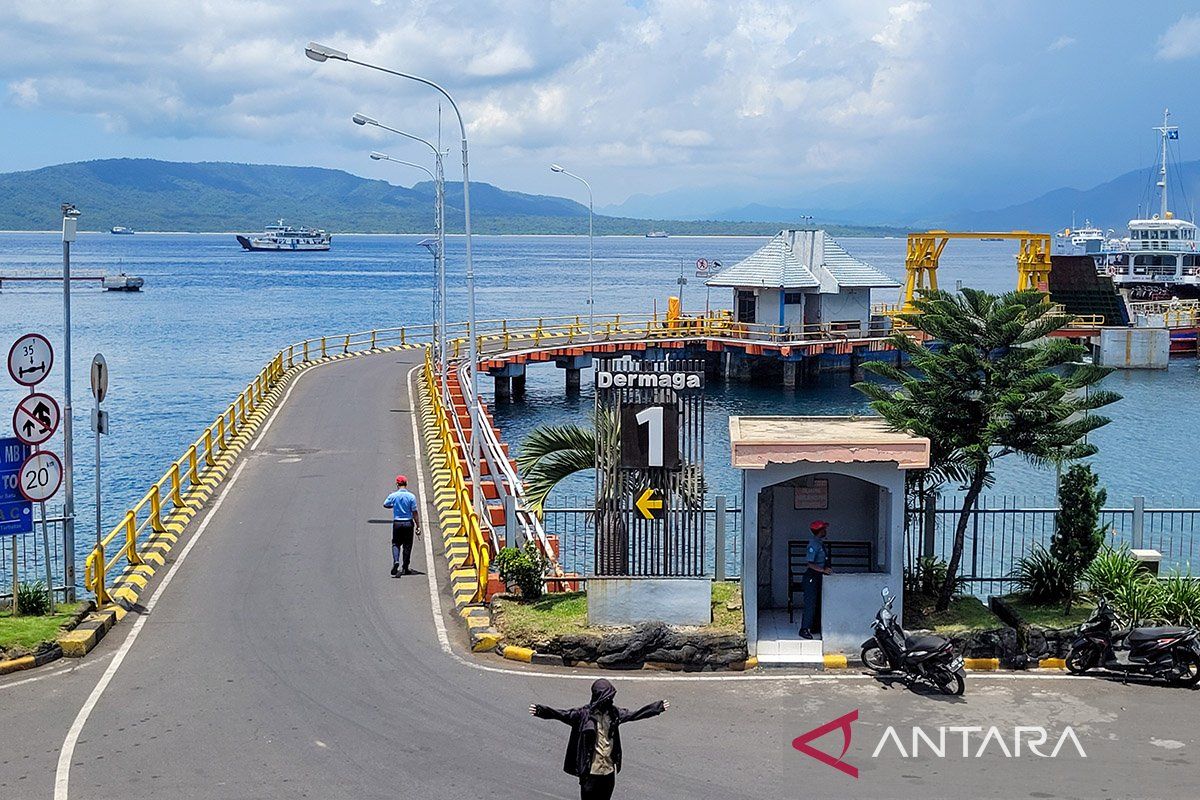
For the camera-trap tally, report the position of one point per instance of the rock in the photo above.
(631, 648)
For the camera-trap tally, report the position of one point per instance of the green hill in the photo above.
(150, 195)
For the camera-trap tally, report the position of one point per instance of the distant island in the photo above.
(151, 195)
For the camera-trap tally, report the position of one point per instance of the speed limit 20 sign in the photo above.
(40, 477)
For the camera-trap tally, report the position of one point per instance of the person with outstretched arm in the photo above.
(594, 746)
(406, 521)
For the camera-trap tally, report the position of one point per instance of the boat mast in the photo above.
(1165, 134)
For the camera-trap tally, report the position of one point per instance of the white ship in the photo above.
(282, 237)
(1158, 259)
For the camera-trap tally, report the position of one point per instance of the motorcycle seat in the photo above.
(1139, 635)
(924, 643)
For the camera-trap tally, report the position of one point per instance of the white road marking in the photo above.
(66, 753)
(435, 600)
(271, 419)
(64, 670)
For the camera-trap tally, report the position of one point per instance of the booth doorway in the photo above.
(858, 514)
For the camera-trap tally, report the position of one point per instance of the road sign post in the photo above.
(99, 382)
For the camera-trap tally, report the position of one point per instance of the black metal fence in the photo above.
(572, 522)
(1001, 531)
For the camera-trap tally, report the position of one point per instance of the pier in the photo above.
(112, 283)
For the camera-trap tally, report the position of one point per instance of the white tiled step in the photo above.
(790, 651)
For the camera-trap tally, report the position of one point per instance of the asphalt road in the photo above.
(284, 661)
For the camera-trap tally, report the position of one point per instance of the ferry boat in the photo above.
(122, 230)
(657, 235)
(1158, 259)
(1088, 240)
(282, 237)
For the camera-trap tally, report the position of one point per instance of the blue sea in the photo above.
(211, 314)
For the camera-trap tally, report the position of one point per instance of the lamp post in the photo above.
(439, 182)
(591, 252)
(320, 53)
(70, 216)
(436, 247)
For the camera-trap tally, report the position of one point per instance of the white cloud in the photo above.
(1181, 40)
(644, 96)
(1061, 43)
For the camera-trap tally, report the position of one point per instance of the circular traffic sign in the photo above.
(36, 418)
(99, 378)
(30, 359)
(40, 476)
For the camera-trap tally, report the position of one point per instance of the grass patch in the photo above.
(1050, 615)
(964, 614)
(527, 624)
(26, 633)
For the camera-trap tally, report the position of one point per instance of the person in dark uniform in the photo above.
(814, 575)
(594, 746)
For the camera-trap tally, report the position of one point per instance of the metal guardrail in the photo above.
(168, 492)
(478, 547)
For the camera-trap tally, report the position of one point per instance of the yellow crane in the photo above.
(924, 250)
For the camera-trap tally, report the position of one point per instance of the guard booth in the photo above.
(846, 471)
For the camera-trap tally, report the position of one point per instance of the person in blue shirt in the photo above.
(814, 576)
(406, 521)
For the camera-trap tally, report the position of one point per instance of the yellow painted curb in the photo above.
(15, 664)
(982, 664)
(751, 663)
(514, 653)
(835, 661)
(1052, 663)
(77, 643)
(486, 640)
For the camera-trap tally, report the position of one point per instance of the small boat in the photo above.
(286, 238)
(657, 235)
(122, 282)
(122, 230)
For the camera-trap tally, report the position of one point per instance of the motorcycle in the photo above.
(1172, 653)
(928, 658)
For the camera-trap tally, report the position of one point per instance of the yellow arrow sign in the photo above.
(650, 504)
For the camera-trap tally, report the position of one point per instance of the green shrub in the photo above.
(928, 576)
(1179, 597)
(1111, 569)
(523, 568)
(1043, 577)
(33, 599)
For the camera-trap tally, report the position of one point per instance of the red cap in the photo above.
(400, 479)
(818, 525)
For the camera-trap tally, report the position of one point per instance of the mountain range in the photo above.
(151, 195)
(147, 194)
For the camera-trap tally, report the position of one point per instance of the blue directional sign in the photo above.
(16, 513)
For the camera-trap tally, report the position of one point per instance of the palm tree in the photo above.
(991, 382)
(549, 455)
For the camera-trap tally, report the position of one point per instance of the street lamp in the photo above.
(320, 52)
(436, 248)
(70, 220)
(591, 252)
(439, 182)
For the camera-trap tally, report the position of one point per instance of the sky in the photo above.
(891, 108)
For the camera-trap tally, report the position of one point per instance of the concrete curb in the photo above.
(126, 589)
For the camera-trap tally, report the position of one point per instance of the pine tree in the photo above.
(1078, 534)
(986, 379)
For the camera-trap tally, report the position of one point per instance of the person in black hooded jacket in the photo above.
(594, 747)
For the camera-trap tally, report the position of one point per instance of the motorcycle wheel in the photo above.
(1188, 664)
(1081, 660)
(873, 659)
(951, 683)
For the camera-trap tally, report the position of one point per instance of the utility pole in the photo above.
(70, 221)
